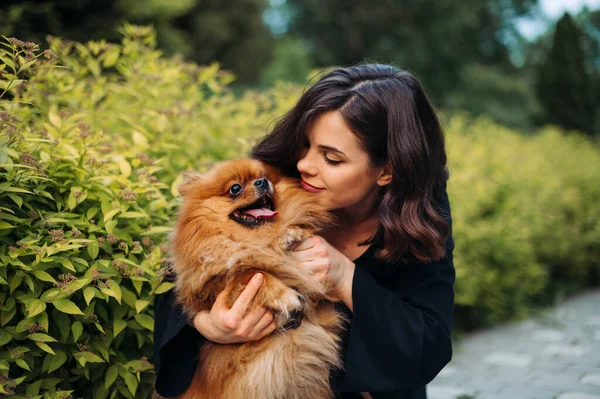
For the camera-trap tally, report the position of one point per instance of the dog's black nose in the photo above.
(261, 183)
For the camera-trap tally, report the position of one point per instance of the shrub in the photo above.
(526, 217)
(90, 151)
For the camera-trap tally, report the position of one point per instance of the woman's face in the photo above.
(334, 166)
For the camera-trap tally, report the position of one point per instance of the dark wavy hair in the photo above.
(389, 112)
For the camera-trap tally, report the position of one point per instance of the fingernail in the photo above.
(259, 277)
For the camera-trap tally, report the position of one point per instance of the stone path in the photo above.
(555, 355)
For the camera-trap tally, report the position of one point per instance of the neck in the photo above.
(358, 222)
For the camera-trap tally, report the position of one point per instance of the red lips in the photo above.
(309, 187)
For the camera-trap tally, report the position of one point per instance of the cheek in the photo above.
(347, 188)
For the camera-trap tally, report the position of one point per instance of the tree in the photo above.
(231, 32)
(564, 85)
(433, 38)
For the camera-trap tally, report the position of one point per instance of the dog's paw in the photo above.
(291, 237)
(288, 310)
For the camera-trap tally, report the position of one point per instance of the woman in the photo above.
(367, 142)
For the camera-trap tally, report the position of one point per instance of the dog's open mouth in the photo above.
(255, 214)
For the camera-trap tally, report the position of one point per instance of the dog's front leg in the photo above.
(286, 303)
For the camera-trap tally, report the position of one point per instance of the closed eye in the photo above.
(331, 161)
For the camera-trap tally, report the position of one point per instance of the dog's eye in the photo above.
(235, 189)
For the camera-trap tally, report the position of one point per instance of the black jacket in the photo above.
(398, 339)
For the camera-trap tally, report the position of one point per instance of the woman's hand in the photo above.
(226, 325)
(326, 264)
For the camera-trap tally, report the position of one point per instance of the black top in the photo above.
(398, 339)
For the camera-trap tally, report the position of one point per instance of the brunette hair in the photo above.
(389, 112)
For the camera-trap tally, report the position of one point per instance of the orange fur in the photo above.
(211, 250)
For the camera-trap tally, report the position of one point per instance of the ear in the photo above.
(385, 176)
(190, 177)
(272, 173)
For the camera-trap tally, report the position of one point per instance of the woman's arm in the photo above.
(176, 347)
(400, 332)
(399, 338)
(177, 342)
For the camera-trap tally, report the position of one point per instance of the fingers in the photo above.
(242, 304)
(306, 244)
(265, 322)
(267, 330)
(252, 318)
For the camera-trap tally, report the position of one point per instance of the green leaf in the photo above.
(108, 216)
(131, 381)
(157, 230)
(50, 383)
(113, 289)
(56, 361)
(51, 294)
(91, 357)
(54, 119)
(78, 284)
(137, 284)
(4, 225)
(30, 283)
(45, 347)
(164, 287)
(66, 306)
(5, 337)
(139, 139)
(33, 388)
(17, 200)
(23, 364)
(129, 297)
(133, 215)
(88, 294)
(14, 190)
(44, 276)
(67, 264)
(93, 250)
(41, 337)
(99, 327)
(91, 212)
(111, 376)
(141, 304)
(15, 281)
(36, 307)
(145, 320)
(176, 183)
(77, 329)
(124, 166)
(43, 320)
(110, 226)
(6, 316)
(118, 326)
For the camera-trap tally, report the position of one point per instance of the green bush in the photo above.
(90, 152)
(526, 217)
(92, 146)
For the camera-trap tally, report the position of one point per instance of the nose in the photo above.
(261, 183)
(305, 166)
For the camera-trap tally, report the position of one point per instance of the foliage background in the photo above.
(91, 154)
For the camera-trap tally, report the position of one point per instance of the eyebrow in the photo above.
(332, 149)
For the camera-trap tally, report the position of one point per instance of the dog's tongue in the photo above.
(261, 213)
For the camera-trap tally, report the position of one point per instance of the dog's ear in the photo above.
(272, 173)
(190, 177)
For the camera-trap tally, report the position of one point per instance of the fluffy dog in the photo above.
(241, 218)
